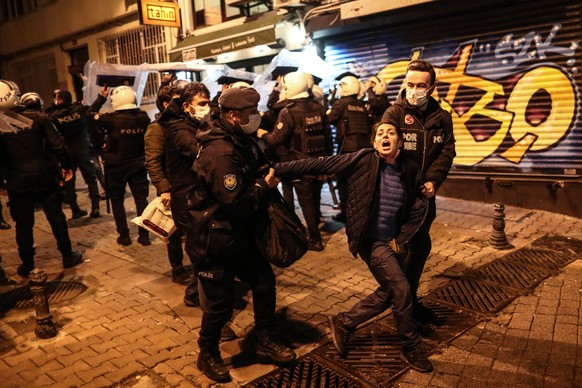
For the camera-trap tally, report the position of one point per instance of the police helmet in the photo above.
(123, 98)
(295, 85)
(349, 86)
(9, 95)
(31, 100)
(310, 81)
(318, 94)
(240, 85)
(380, 85)
(179, 85)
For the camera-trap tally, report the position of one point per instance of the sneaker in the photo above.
(227, 334)
(314, 245)
(4, 225)
(124, 240)
(272, 351)
(144, 240)
(95, 213)
(423, 314)
(72, 259)
(416, 358)
(79, 214)
(339, 334)
(212, 365)
(181, 276)
(24, 270)
(191, 300)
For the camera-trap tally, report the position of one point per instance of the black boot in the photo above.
(72, 259)
(211, 364)
(77, 212)
(271, 350)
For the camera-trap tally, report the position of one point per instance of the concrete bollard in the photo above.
(45, 328)
(498, 239)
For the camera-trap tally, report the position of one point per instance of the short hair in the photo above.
(377, 125)
(194, 89)
(65, 96)
(164, 95)
(425, 66)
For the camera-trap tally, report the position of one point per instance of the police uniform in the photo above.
(301, 128)
(30, 155)
(124, 154)
(220, 241)
(71, 122)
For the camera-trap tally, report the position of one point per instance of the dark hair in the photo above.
(65, 97)
(194, 89)
(375, 129)
(165, 94)
(422, 65)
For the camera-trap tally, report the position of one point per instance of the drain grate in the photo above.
(475, 295)
(540, 258)
(57, 292)
(309, 371)
(511, 273)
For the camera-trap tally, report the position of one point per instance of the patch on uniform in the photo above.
(96, 117)
(230, 181)
(408, 119)
(279, 125)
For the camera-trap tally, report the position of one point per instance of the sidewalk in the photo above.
(130, 328)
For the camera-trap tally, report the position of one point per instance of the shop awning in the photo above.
(260, 31)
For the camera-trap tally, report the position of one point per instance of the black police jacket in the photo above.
(428, 136)
(361, 170)
(350, 117)
(31, 156)
(71, 121)
(302, 129)
(228, 190)
(125, 130)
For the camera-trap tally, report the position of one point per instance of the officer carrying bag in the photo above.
(279, 234)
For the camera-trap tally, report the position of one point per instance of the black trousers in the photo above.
(420, 247)
(216, 283)
(308, 191)
(85, 163)
(179, 206)
(135, 175)
(22, 212)
(393, 291)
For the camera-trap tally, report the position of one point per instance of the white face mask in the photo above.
(253, 125)
(201, 113)
(417, 97)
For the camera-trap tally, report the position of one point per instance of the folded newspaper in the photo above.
(157, 219)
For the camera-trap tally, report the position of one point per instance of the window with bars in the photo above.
(134, 47)
(12, 9)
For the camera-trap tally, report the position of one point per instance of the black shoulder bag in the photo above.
(279, 234)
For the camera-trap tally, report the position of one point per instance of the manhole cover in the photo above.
(308, 371)
(540, 258)
(57, 292)
(512, 273)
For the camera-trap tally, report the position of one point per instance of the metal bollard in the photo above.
(45, 328)
(498, 239)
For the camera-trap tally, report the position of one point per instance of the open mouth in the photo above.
(386, 143)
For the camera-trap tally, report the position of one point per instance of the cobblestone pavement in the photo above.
(130, 327)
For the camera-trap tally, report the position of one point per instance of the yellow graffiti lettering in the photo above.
(557, 123)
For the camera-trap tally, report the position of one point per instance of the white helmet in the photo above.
(31, 99)
(380, 85)
(123, 98)
(9, 95)
(240, 85)
(349, 86)
(310, 81)
(295, 85)
(318, 94)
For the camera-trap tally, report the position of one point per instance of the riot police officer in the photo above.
(124, 156)
(377, 98)
(220, 243)
(353, 130)
(30, 152)
(301, 128)
(70, 120)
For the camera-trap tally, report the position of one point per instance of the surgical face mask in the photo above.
(201, 113)
(417, 97)
(253, 125)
